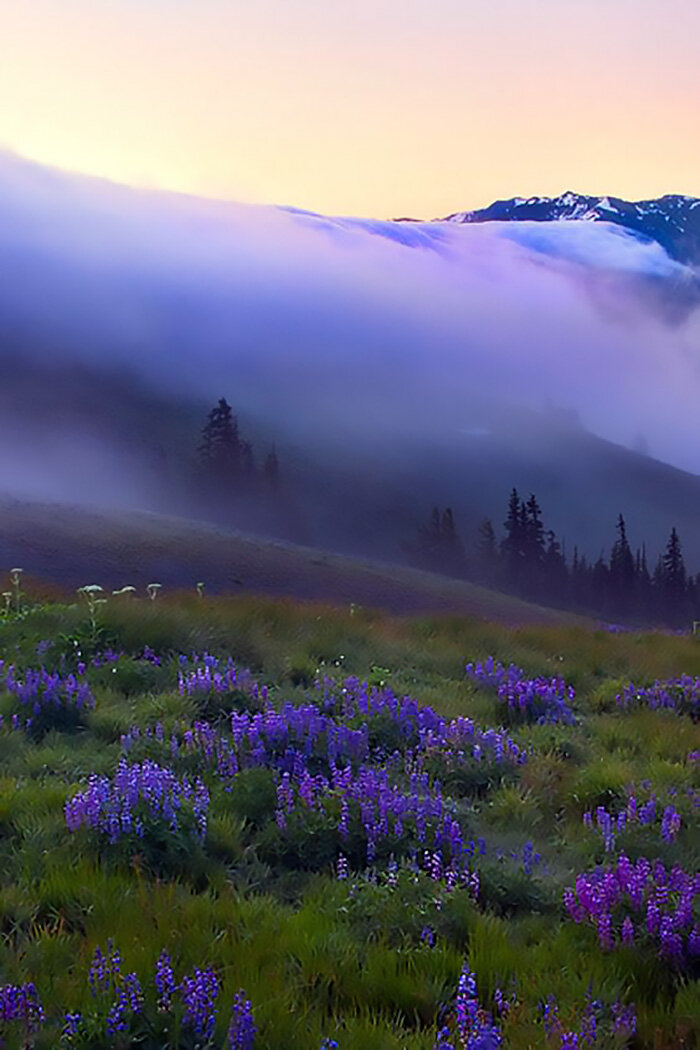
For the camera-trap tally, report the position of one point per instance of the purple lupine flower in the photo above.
(20, 1003)
(342, 867)
(624, 1019)
(475, 1028)
(108, 805)
(71, 1024)
(104, 970)
(427, 936)
(199, 992)
(662, 900)
(550, 1016)
(242, 1030)
(442, 1042)
(164, 981)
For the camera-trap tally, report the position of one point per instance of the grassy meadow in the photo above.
(344, 918)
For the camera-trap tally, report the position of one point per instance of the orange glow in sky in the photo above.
(375, 107)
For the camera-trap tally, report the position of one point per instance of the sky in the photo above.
(379, 108)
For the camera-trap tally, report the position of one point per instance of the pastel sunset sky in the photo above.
(368, 107)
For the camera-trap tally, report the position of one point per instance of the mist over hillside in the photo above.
(394, 364)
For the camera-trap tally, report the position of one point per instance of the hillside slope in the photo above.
(73, 547)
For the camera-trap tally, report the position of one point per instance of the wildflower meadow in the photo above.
(246, 823)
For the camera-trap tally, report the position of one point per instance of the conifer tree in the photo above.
(487, 551)
(220, 447)
(439, 545)
(513, 545)
(622, 573)
(643, 583)
(533, 534)
(671, 580)
(451, 547)
(555, 571)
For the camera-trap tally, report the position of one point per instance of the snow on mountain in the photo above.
(672, 221)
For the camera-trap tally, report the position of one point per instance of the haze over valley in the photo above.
(394, 365)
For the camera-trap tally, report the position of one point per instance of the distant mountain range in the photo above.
(672, 221)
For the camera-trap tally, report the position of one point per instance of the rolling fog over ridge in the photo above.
(346, 337)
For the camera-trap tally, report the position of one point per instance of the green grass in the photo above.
(319, 958)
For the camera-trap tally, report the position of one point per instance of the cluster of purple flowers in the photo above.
(129, 999)
(40, 690)
(306, 733)
(386, 801)
(118, 806)
(20, 1006)
(491, 675)
(630, 901)
(421, 728)
(451, 876)
(372, 798)
(242, 1030)
(121, 996)
(199, 992)
(596, 1021)
(336, 730)
(109, 656)
(541, 700)
(211, 675)
(680, 694)
(643, 813)
(473, 1027)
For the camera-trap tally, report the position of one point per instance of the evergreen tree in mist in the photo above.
(671, 581)
(220, 450)
(622, 573)
(439, 546)
(533, 548)
(555, 572)
(530, 561)
(488, 557)
(513, 546)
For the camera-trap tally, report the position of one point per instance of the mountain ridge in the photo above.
(673, 221)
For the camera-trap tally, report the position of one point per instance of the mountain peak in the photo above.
(672, 220)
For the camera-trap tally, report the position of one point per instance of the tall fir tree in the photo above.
(533, 548)
(622, 575)
(556, 574)
(672, 580)
(439, 545)
(487, 552)
(513, 546)
(220, 448)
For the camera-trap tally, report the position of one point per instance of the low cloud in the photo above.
(348, 331)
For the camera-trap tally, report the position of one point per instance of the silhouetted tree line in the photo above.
(529, 560)
(439, 547)
(225, 460)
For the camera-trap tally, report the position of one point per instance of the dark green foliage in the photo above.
(132, 677)
(60, 718)
(463, 778)
(398, 908)
(254, 796)
(508, 890)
